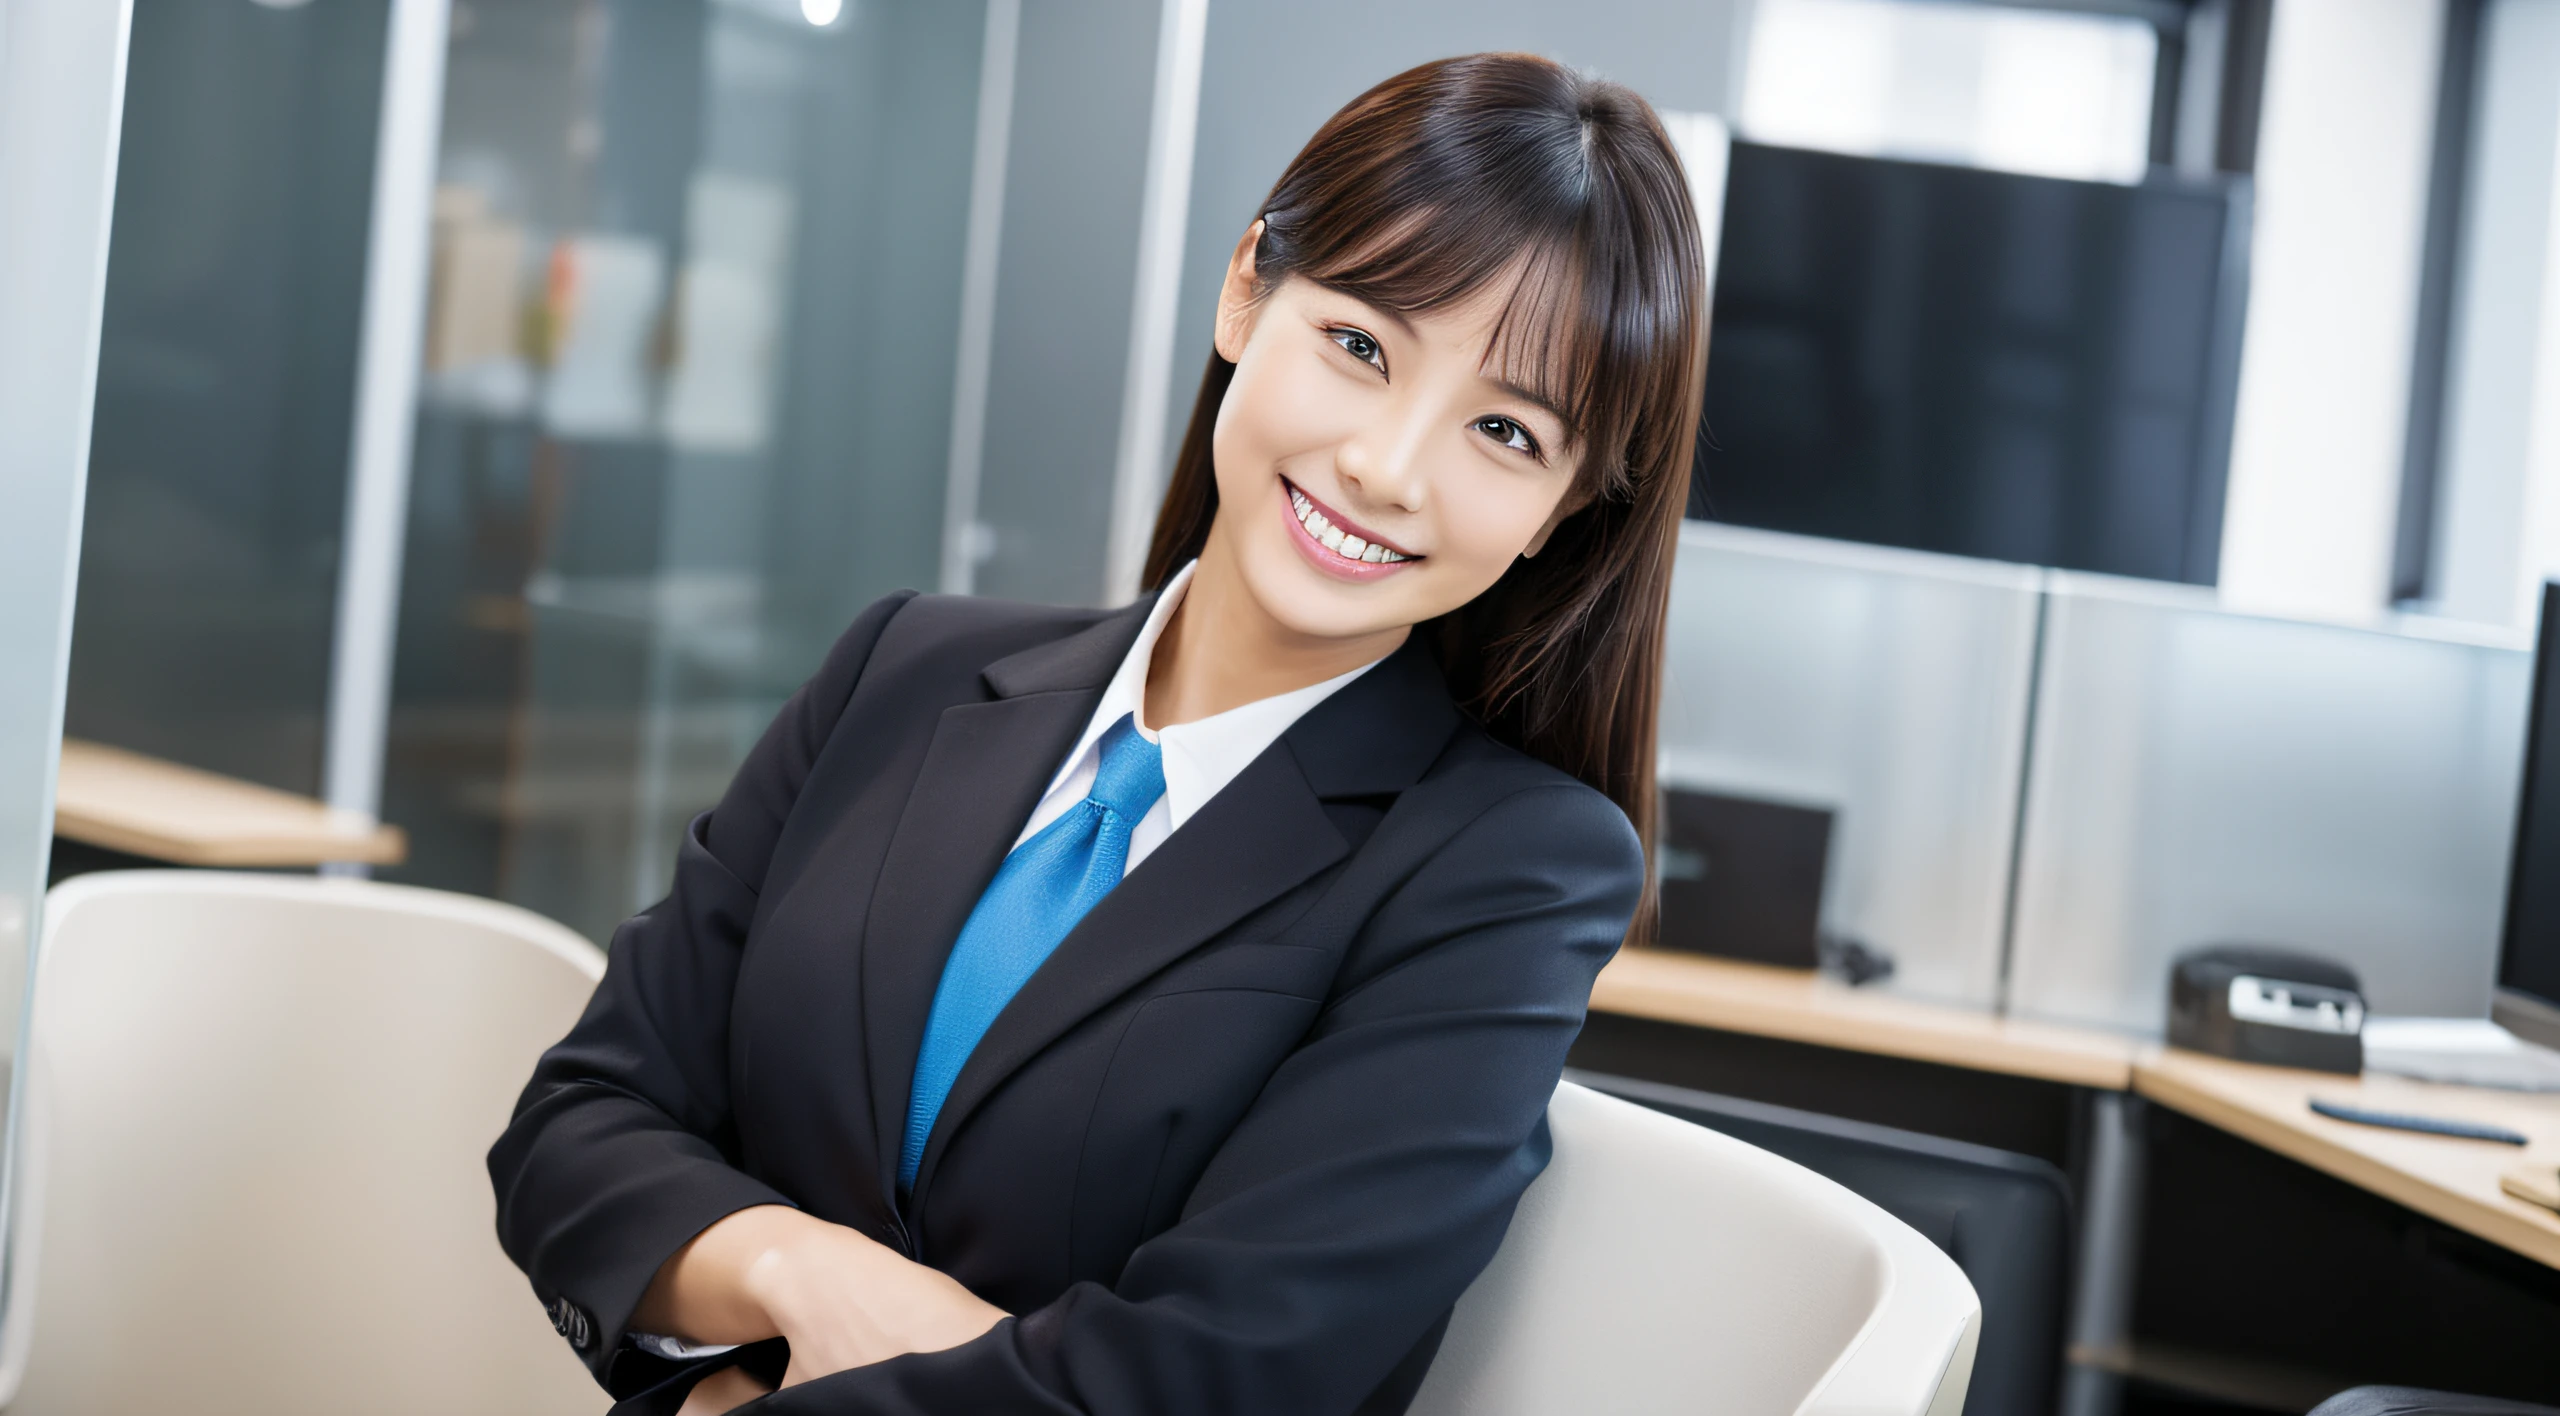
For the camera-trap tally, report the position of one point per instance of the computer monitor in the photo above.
(1974, 362)
(2527, 1002)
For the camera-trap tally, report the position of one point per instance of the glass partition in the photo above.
(62, 76)
(226, 384)
(2207, 777)
(1889, 687)
(687, 407)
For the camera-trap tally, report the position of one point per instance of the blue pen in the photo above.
(2431, 1125)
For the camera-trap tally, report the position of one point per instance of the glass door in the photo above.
(686, 407)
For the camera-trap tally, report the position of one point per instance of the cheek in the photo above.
(1488, 516)
(1278, 408)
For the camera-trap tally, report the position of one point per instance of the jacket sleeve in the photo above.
(1364, 1189)
(621, 1147)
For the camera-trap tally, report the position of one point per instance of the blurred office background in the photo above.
(2131, 457)
(2132, 463)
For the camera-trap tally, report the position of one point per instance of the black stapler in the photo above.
(2259, 1004)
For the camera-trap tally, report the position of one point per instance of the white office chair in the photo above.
(251, 1173)
(1661, 1267)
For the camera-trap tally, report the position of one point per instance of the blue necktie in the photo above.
(1039, 893)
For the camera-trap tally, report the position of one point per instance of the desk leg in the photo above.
(2109, 1245)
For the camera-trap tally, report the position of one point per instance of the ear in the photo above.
(1237, 298)
(1566, 505)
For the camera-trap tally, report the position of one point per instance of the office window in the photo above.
(2050, 93)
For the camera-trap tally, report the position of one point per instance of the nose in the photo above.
(1383, 463)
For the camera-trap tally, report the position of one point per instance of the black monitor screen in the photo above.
(2021, 368)
(2529, 958)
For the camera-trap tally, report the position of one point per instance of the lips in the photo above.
(1339, 534)
(1312, 525)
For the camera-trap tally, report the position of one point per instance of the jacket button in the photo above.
(570, 1321)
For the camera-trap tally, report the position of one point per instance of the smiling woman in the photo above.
(1155, 1010)
(1466, 325)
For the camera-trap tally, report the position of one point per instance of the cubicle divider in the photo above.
(2048, 784)
(2204, 776)
(1888, 687)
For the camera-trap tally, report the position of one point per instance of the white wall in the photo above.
(2344, 142)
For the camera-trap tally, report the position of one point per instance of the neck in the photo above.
(1223, 650)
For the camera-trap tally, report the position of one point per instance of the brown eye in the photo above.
(1359, 346)
(1508, 433)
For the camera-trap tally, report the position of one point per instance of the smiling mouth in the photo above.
(1348, 544)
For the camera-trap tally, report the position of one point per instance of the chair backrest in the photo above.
(251, 1170)
(1659, 1267)
(2004, 1218)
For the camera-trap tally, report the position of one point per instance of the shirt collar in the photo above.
(1200, 757)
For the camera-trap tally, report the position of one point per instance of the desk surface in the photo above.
(125, 801)
(1805, 1007)
(2454, 1181)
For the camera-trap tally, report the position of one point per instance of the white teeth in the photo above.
(1332, 537)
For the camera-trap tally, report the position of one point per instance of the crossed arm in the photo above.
(842, 1299)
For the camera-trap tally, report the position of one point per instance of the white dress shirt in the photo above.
(1200, 758)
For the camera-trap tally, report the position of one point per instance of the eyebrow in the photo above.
(1403, 325)
(1529, 397)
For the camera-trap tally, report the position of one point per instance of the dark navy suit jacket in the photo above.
(1237, 1147)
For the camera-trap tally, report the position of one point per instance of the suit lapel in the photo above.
(982, 774)
(1263, 834)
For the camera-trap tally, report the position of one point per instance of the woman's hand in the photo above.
(845, 1301)
(841, 1299)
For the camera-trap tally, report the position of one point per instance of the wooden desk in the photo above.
(124, 801)
(2454, 1182)
(2250, 1112)
(1804, 1007)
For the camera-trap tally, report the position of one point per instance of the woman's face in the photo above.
(1374, 470)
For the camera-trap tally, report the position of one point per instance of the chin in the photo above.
(1309, 602)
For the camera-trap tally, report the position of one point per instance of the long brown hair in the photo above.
(1418, 194)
